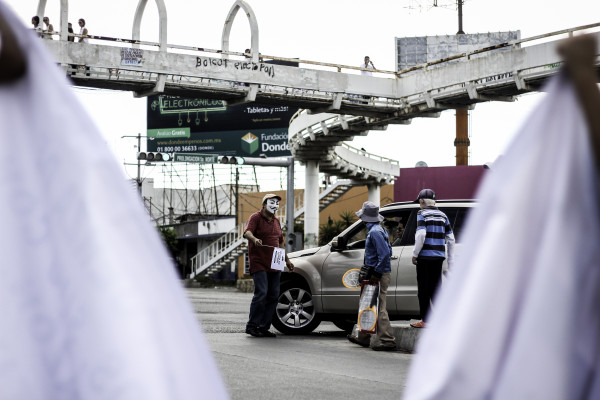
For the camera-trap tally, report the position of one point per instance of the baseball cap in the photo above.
(425, 194)
(270, 196)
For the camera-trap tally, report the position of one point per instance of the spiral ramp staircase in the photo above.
(321, 137)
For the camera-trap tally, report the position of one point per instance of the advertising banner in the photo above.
(189, 125)
(411, 51)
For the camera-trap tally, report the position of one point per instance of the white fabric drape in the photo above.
(519, 318)
(90, 305)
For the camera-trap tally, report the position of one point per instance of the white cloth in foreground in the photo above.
(519, 318)
(90, 305)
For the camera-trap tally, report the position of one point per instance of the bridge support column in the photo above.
(462, 141)
(374, 193)
(311, 204)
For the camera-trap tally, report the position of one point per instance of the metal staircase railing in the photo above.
(333, 192)
(219, 250)
(327, 196)
(298, 205)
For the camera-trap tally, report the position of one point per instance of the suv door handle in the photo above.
(394, 257)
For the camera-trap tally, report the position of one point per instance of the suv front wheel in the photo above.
(295, 313)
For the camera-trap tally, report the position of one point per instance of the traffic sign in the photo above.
(196, 158)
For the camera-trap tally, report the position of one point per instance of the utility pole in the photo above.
(139, 177)
(460, 17)
(461, 142)
(289, 204)
(215, 189)
(237, 196)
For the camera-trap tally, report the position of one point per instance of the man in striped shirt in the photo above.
(432, 234)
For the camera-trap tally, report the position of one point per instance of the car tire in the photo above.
(295, 313)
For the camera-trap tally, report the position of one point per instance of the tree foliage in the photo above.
(169, 236)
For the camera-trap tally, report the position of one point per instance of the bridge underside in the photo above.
(459, 84)
(235, 92)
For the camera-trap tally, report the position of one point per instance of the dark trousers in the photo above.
(264, 301)
(429, 273)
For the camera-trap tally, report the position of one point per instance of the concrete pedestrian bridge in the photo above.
(337, 102)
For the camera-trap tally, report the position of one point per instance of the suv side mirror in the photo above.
(338, 243)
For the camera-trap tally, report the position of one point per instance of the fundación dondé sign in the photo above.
(189, 125)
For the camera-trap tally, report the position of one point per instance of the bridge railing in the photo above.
(338, 67)
(320, 123)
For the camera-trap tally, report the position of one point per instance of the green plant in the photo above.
(329, 230)
(169, 236)
(348, 218)
(333, 228)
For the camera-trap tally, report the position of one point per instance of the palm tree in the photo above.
(348, 218)
(329, 230)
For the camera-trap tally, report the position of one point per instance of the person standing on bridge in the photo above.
(82, 31)
(49, 28)
(432, 234)
(35, 21)
(369, 65)
(70, 31)
(263, 232)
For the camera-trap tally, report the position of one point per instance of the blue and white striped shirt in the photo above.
(437, 228)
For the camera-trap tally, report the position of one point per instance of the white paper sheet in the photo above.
(278, 260)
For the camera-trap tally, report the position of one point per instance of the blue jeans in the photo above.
(264, 301)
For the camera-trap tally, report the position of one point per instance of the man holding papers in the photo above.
(265, 240)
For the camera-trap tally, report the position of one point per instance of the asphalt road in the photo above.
(322, 365)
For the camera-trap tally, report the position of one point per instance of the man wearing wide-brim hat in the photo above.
(263, 232)
(378, 252)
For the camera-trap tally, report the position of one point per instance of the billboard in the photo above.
(191, 125)
(411, 51)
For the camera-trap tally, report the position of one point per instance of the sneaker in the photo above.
(354, 340)
(384, 347)
(253, 331)
(420, 324)
(267, 333)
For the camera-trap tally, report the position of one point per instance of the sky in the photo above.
(333, 31)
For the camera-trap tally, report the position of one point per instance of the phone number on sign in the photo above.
(171, 149)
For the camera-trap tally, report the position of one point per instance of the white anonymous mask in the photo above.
(272, 205)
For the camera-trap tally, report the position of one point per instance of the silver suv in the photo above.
(324, 285)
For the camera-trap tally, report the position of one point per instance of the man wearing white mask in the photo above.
(264, 234)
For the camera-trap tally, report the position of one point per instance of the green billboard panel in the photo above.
(270, 142)
(191, 125)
